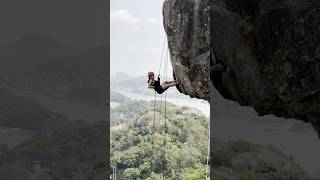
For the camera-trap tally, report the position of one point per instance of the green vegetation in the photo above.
(186, 143)
(128, 111)
(73, 152)
(186, 148)
(41, 145)
(63, 150)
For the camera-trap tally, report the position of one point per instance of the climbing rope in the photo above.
(165, 72)
(208, 155)
(154, 107)
(163, 46)
(153, 127)
(165, 117)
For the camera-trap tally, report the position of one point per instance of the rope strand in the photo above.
(153, 127)
(164, 43)
(154, 108)
(208, 155)
(165, 117)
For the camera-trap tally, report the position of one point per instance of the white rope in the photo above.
(208, 155)
(154, 107)
(164, 43)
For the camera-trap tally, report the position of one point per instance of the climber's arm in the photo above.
(150, 85)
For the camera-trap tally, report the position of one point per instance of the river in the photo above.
(201, 105)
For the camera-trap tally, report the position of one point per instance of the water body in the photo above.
(14, 136)
(201, 105)
(74, 110)
(114, 104)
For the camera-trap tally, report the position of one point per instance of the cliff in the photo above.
(186, 23)
(264, 54)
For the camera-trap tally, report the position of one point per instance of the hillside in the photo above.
(186, 149)
(117, 97)
(73, 152)
(186, 144)
(54, 149)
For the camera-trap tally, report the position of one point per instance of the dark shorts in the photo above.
(159, 89)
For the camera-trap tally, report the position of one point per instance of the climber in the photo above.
(153, 84)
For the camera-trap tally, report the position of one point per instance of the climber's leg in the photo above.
(166, 86)
(168, 82)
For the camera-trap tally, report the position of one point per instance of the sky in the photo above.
(74, 23)
(136, 37)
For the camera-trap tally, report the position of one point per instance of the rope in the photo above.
(208, 155)
(153, 127)
(167, 56)
(163, 46)
(165, 136)
(154, 108)
(165, 118)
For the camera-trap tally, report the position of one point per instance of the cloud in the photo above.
(123, 16)
(153, 21)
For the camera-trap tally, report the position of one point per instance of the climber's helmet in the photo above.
(150, 74)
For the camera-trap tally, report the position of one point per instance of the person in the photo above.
(155, 84)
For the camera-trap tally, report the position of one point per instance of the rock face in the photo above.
(186, 23)
(264, 54)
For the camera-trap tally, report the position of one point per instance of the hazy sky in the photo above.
(77, 23)
(137, 36)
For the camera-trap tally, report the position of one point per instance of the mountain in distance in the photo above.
(85, 69)
(117, 97)
(139, 86)
(34, 47)
(120, 76)
(40, 45)
(135, 83)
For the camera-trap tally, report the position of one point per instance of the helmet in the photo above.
(150, 74)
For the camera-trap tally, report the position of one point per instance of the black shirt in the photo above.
(158, 87)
